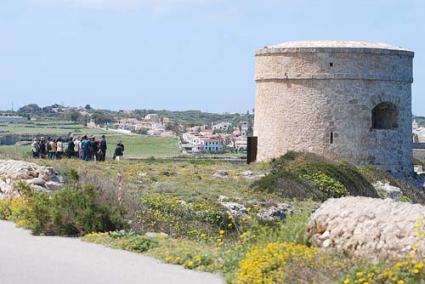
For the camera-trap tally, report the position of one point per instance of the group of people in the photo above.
(85, 148)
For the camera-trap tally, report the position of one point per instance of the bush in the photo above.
(175, 217)
(5, 209)
(403, 272)
(123, 240)
(308, 176)
(80, 210)
(288, 263)
(72, 211)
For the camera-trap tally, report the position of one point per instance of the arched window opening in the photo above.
(385, 116)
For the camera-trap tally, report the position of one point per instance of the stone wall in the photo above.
(321, 101)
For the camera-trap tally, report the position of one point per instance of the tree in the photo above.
(30, 109)
(102, 118)
(88, 107)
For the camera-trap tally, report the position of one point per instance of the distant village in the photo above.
(216, 138)
(209, 137)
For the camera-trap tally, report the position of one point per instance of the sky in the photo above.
(178, 54)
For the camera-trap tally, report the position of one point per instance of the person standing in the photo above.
(43, 148)
(85, 145)
(35, 148)
(102, 148)
(119, 151)
(59, 148)
(53, 149)
(70, 149)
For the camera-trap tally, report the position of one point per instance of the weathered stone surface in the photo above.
(39, 177)
(235, 209)
(275, 213)
(308, 92)
(153, 235)
(249, 175)
(386, 190)
(221, 174)
(368, 228)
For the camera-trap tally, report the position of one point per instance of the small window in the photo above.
(331, 138)
(331, 64)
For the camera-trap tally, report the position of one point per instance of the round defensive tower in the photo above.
(339, 99)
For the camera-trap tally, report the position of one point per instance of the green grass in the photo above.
(136, 146)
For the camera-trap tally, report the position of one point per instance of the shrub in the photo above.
(5, 209)
(288, 263)
(308, 176)
(190, 254)
(123, 240)
(178, 218)
(80, 210)
(402, 272)
(326, 184)
(72, 211)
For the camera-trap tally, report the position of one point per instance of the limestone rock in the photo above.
(275, 213)
(153, 235)
(235, 209)
(221, 174)
(368, 228)
(249, 175)
(40, 178)
(386, 190)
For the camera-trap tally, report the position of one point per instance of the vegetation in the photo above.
(173, 211)
(72, 211)
(308, 176)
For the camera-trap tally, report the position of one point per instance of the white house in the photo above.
(222, 126)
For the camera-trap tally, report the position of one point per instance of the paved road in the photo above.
(29, 259)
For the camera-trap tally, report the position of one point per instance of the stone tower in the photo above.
(340, 99)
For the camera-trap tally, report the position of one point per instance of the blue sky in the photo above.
(178, 54)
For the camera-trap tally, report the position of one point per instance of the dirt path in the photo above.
(29, 259)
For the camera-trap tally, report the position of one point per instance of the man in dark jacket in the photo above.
(102, 148)
(119, 151)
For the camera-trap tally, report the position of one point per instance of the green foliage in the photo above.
(72, 211)
(79, 210)
(326, 184)
(123, 240)
(5, 209)
(308, 176)
(407, 271)
(175, 217)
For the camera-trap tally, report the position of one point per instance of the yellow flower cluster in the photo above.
(402, 272)
(265, 264)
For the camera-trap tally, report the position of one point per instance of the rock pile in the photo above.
(386, 190)
(275, 213)
(369, 228)
(39, 177)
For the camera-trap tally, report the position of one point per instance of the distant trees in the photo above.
(102, 117)
(29, 109)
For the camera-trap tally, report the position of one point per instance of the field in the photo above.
(206, 214)
(137, 146)
(179, 206)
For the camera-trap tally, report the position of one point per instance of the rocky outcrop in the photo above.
(385, 190)
(249, 175)
(221, 174)
(369, 228)
(39, 177)
(235, 209)
(275, 213)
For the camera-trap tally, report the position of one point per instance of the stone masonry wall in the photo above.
(304, 95)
